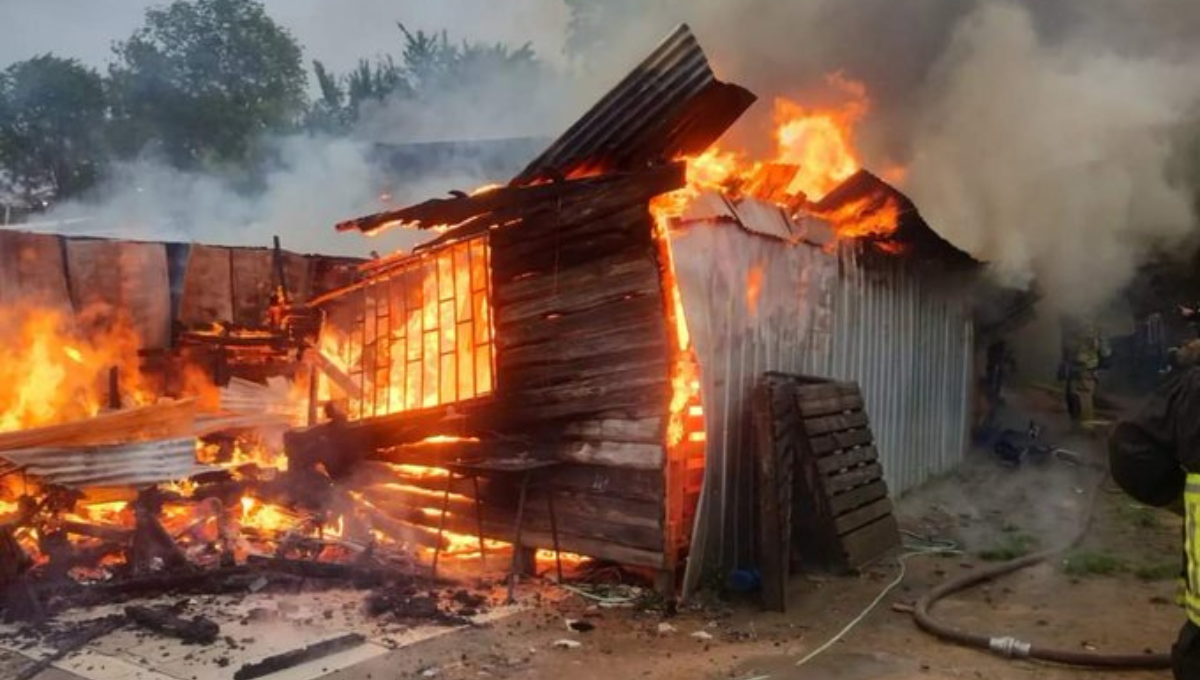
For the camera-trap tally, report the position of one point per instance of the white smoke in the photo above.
(1052, 160)
(1038, 136)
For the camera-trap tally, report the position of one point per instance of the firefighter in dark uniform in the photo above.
(1155, 457)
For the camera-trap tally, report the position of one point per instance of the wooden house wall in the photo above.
(135, 279)
(582, 363)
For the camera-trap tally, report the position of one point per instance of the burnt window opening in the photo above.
(417, 336)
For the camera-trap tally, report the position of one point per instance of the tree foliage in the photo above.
(203, 79)
(430, 66)
(52, 111)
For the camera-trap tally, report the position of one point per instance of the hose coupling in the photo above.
(1009, 647)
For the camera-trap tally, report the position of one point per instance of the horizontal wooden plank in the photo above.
(835, 423)
(827, 444)
(630, 403)
(854, 519)
(595, 538)
(646, 485)
(639, 314)
(588, 357)
(614, 454)
(642, 430)
(831, 405)
(852, 478)
(857, 497)
(583, 289)
(847, 458)
(821, 391)
(870, 542)
(594, 388)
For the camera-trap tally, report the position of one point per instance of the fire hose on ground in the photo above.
(1010, 647)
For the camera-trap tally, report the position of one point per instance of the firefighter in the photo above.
(1155, 457)
(1085, 352)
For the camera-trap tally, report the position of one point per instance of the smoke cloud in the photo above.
(1052, 159)
(1041, 137)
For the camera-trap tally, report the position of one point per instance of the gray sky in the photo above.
(335, 31)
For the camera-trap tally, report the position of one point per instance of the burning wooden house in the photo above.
(607, 314)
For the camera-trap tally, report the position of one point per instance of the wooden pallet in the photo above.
(836, 513)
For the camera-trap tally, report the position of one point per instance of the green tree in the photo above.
(429, 66)
(203, 80)
(52, 111)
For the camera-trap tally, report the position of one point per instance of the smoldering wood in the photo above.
(196, 630)
(280, 662)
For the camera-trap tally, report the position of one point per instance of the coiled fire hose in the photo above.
(1010, 647)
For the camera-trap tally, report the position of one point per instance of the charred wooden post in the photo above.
(20, 601)
(152, 547)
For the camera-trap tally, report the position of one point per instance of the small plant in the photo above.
(1010, 547)
(1159, 571)
(1141, 516)
(1090, 563)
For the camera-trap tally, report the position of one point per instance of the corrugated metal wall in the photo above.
(756, 304)
(906, 338)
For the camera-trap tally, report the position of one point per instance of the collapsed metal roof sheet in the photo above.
(152, 462)
(669, 105)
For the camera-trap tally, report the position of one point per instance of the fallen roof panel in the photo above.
(152, 462)
(670, 105)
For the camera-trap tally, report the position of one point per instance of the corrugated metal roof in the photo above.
(922, 240)
(152, 462)
(669, 105)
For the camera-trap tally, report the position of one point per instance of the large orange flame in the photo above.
(52, 372)
(814, 153)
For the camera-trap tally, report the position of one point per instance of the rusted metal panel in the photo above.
(130, 464)
(253, 281)
(32, 270)
(125, 278)
(670, 105)
(207, 296)
(768, 305)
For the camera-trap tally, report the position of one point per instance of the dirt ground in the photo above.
(1114, 592)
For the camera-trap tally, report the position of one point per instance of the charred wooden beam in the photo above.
(441, 211)
(196, 630)
(280, 662)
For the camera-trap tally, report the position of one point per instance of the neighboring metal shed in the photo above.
(899, 327)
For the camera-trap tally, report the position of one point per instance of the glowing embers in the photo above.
(418, 336)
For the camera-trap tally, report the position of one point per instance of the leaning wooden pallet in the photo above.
(823, 503)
